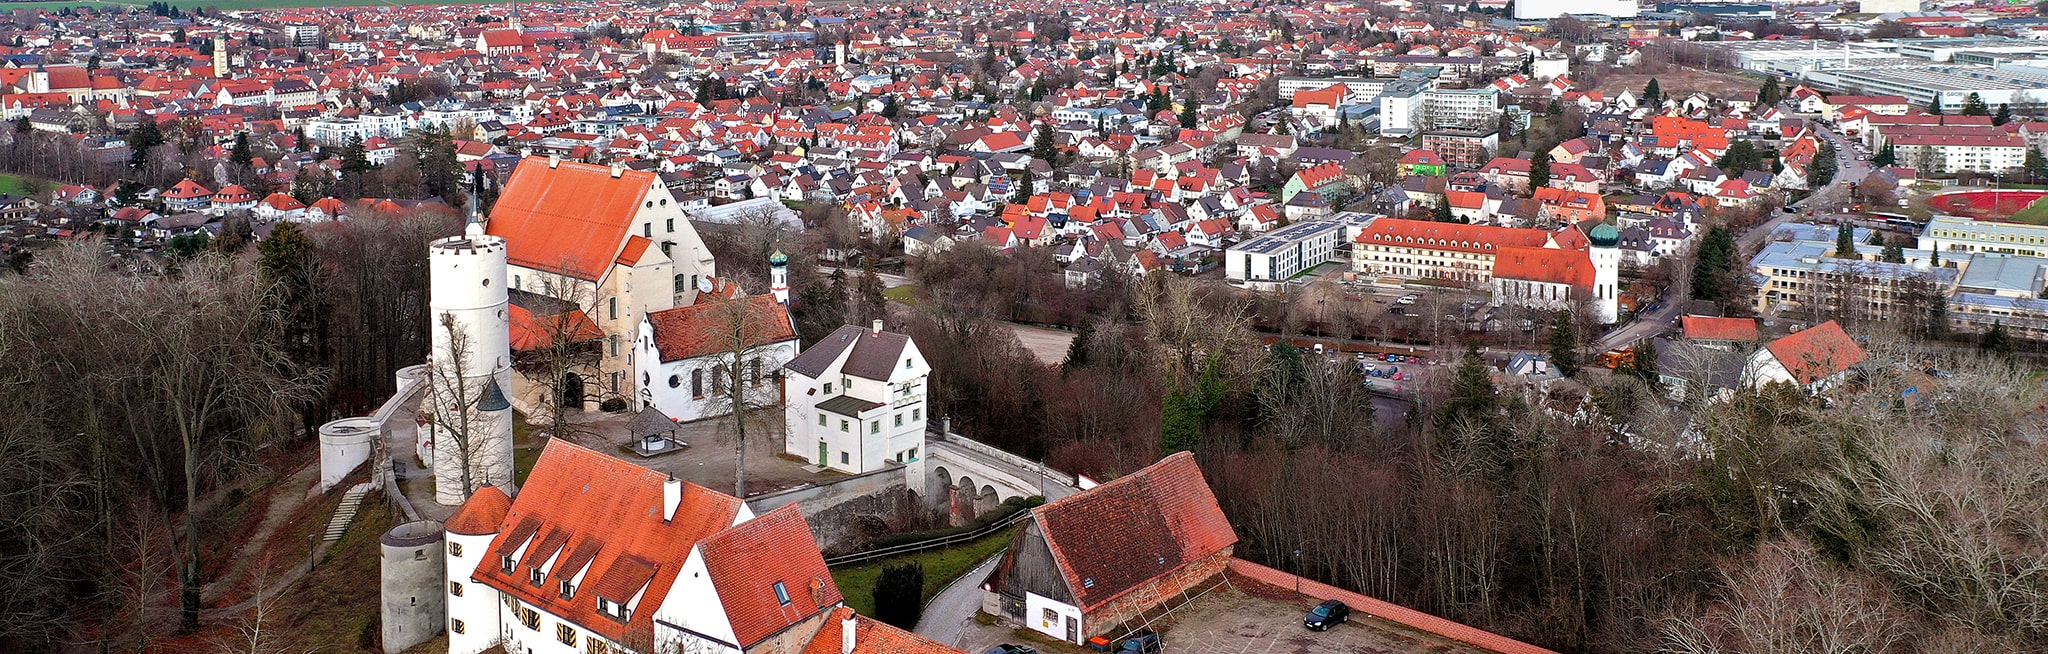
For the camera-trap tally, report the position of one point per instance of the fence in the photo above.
(927, 544)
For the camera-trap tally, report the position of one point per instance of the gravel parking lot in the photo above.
(1229, 621)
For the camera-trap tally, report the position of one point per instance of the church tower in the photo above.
(220, 56)
(471, 363)
(778, 277)
(1606, 255)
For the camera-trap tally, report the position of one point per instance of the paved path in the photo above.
(949, 618)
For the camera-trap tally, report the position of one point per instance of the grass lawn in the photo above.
(2033, 214)
(906, 294)
(941, 567)
(13, 184)
(233, 5)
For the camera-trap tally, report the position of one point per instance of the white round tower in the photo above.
(1606, 255)
(474, 617)
(472, 365)
(411, 570)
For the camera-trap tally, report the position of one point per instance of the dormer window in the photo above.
(781, 593)
(535, 576)
(505, 564)
(568, 590)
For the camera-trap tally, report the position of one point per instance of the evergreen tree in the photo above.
(1886, 156)
(1770, 94)
(1024, 190)
(143, 141)
(1188, 119)
(1995, 342)
(1876, 238)
(2003, 116)
(308, 187)
(899, 594)
(1892, 254)
(1077, 349)
(1185, 409)
(1821, 171)
(1280, 126)
(1653, 94)
(1642, 363)
(1042, 144)
(1539, 169)
(1442, 212)
(1473, 397)
(2036, 166)
(1973, 105)
(1934, 106)
(241, 155)
(289, 264)
(1564, 344)
(1713, 264)
(1845, 241)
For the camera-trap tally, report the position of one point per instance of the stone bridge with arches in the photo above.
(965, 477)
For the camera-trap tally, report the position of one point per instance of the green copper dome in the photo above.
(778, 258)
(1604, 235)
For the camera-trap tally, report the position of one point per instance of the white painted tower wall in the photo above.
(468, 282)
(477, 608)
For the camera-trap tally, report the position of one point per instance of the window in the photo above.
(615, 350)
(612, 307)
(646, 380)
(828, 388)
(671, 223)
(455, 588)
(647, 230)
(693, 281)
(913, 454)
(821, 420)
(899, 419)
(515, 281)
(875, 427)
(535, 576)
(505, 564)
(844, 426)
(697, 383)
(675, 381)
(781, 594)
(916, 414)
(530, 618)
(454, 549)
(754, 375)
(566, 634)
(718, 374)
(1051, 616)
(845, 459)
(908, 364)
(568, 590)
(677, 286)
(598, 646)
(456, 626)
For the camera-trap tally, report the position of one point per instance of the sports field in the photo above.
(2025, 206)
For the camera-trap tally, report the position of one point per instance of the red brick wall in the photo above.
(1162, 590)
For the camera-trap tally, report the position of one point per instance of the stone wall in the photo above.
(1164, 590)
(844, 513)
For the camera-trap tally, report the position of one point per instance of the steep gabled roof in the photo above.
(874, 353)
(1817, 352)
(1546, 265)
(1121, 535)
(1719, 329)
(704, 328)
(568, 217)
(605, 514)
(746, 563)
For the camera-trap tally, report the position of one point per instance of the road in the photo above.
(1835, 195)
(949, 618)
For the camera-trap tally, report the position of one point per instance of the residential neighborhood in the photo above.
(928, 326)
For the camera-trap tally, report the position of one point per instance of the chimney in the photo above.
(848, 631)
(671, 495)
(554, 161)
(618, 171)
(878, 325)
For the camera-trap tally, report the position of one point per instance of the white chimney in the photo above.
(848, 629)
(878, 325)
(554, 160)
(671, 496)
(617, 171)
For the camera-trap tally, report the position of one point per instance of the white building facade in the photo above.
(855, 401)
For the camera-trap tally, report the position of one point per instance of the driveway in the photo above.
(949, 618)
(1229, 621)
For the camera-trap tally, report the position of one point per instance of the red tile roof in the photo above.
(1817, 352)
(573, 217)
(1121, 535)
(530, 332)
(747, 561)
(871, 637)
(1720, 329)
(1546, 265)
(482, 514)
(605, 514)
(695, 330)
(1456, 237)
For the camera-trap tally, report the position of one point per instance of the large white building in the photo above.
(1548, 9)
(599, 556)
(855, 401)
(1283, 253)
(686, 354)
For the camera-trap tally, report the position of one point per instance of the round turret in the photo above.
(412, 572)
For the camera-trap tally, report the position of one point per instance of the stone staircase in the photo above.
(346, 513)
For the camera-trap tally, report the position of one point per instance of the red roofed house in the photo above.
(1326, 180)
(1712, 330)
(599, 555)
(187, 195)
(1086, 563)
(686, 359)
(1814, 359)
(587, 233)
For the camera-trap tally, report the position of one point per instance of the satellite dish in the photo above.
(704, 285)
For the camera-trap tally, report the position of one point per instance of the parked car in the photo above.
(1007, 648)
(1143, 642)
(1328, 614)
